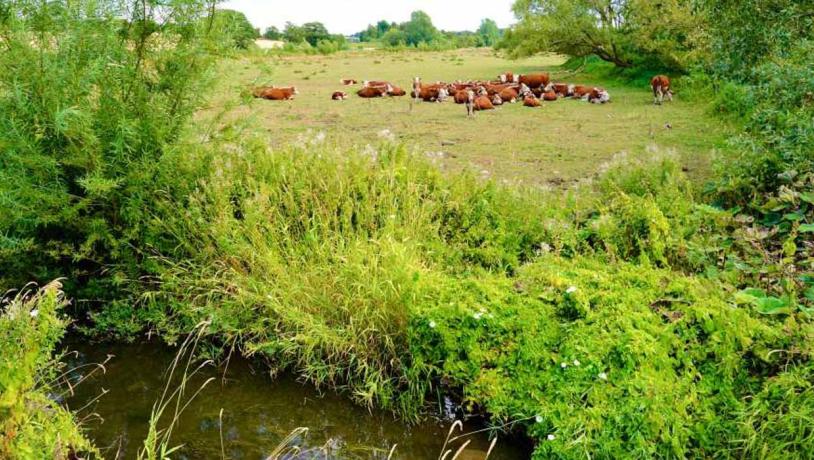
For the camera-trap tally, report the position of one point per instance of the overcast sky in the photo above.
(351, 16)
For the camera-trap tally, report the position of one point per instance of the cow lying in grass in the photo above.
(275, 94)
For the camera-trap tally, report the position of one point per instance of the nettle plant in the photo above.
(92, 93)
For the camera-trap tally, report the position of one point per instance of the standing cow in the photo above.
(661, 88)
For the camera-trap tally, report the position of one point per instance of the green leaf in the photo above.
(807, 197)
(807, 228)
(772, 306)
(809, 294)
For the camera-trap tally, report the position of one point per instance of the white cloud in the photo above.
(351, 16)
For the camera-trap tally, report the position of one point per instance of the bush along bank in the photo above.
(32, 424)
(608, 320)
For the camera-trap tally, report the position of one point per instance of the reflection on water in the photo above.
(258, 413)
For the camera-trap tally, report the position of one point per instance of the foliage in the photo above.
(488, 33)
(273, 33)
(32, 424)
(419, 29)
(90, 97)
(236, 28)
(627, 33)
(746, 34)
(312, 32)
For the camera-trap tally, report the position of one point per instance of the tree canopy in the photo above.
(488, 32)
(624, 32)
(235, 26)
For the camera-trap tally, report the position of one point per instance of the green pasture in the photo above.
(560, 143)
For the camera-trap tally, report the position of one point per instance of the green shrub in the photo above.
(32, 424)
(90, 97)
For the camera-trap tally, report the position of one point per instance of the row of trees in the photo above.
(671, 34)
(421, 30)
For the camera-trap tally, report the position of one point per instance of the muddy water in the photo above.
(258, 413)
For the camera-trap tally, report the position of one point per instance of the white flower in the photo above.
(34, 313)
(551, 437)
(538, 418)
(478, 315)
(564, 365)
(432, 324)
(603, 376)
(577, 363)
(571, 290)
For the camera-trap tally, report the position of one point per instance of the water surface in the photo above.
(258, 413)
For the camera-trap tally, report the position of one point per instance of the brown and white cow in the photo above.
(661, 88)
(431, 93)
(598, 96)
(348, 81)
(563, 89)
(369, 92)
(374, 83)
(506, 77)
(276, 94)
(339, 96)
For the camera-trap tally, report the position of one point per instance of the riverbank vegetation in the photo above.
(637, 314)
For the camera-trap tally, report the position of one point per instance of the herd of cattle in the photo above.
(479, 95)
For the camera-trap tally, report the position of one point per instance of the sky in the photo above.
(351, 16)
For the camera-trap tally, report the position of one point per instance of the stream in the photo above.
(258, 413)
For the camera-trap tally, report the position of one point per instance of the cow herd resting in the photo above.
(508, 88)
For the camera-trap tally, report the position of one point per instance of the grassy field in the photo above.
(559, 143)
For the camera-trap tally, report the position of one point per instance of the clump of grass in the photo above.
(32, 423)
(173, 400)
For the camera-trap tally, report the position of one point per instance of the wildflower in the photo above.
(564, 365)
(432, 324)
(551, 437)
(571, 290)
(577, 363)
(538, 418)
(34, 313)
(478, 315)
(603, 376)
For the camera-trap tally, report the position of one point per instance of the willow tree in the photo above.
(623, 32)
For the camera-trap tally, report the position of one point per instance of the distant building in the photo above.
(352, 38)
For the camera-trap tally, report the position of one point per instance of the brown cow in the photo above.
(580, 91)
(397, 92)
(563, 89)
(462, 96)
(531, 101)
(483, 103)
(550, 96)
(534, 80)
(348, 81)
(276, 94)
(369, 92)
(339, 96)
(496, 100)
(661, 87)
(509, 95)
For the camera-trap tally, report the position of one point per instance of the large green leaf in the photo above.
(772, 306)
